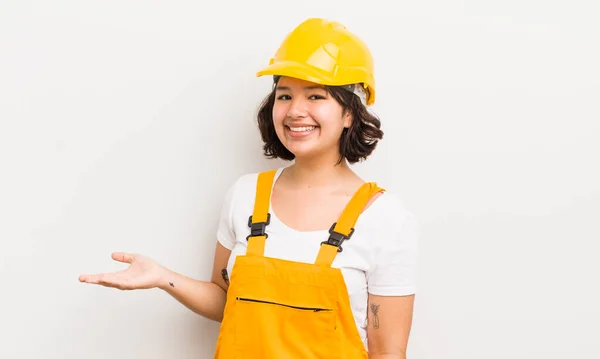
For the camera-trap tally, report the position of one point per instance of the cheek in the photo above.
(330, 119)
(278, 113)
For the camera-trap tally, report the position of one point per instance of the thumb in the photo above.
(122, 257)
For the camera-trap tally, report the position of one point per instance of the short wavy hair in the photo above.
(356, 142)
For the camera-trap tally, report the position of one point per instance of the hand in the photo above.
(142, 273)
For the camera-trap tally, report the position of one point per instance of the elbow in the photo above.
(387, 356)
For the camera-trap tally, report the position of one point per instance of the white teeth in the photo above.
(302, 129)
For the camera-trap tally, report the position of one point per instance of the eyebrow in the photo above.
(285, 88)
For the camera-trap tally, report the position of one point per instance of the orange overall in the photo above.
(289, 310)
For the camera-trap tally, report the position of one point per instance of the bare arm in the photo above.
(389, 324)
(204, 298)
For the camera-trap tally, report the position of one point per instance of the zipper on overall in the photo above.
(283, 305)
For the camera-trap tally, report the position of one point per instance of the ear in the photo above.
(347, 119)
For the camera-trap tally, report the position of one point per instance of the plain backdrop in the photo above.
(123, 123)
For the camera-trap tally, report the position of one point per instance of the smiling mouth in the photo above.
(301, 129)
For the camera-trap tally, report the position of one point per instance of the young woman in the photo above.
(311, 261)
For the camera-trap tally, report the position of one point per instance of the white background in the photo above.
(124, 122)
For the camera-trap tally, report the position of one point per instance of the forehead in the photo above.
(290, 83)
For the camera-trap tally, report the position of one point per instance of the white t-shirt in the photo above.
(380, 258)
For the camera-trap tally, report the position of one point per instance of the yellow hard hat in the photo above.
(324, 52)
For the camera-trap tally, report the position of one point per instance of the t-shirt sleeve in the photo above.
(393, 272)
(226, 230)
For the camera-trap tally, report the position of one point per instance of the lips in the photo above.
(300, 130)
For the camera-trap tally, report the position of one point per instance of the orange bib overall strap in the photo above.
(339, 232)
(261, 216)
(278, 308)
(343, 229)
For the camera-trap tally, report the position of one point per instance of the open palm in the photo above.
(142, 273)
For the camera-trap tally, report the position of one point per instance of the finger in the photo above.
(122, 257)
(105, 279)
(115, 280)
(108, 280)
(90, 278)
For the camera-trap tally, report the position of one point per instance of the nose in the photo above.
(297, 108)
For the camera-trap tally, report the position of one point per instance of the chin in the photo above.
(306, 152)
(303, 152)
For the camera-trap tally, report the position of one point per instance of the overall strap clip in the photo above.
(259, 228)
(336, 238)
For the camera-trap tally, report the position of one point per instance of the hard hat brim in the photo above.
(312, 74)
(299, 71)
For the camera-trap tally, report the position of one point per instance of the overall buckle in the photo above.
(336, 238)
(258, 229)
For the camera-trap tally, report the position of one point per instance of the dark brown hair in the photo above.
(356, 142)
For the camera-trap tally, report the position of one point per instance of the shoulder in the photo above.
(248, 180)
(389, 219)
(243, 187)
(245, 180)
(389, 207)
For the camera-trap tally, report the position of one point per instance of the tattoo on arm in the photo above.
(375, 311)
(171, 284)
(225, 276)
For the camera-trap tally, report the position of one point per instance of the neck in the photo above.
(318, 172)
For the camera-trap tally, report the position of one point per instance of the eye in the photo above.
(284, 97)
(316, 97)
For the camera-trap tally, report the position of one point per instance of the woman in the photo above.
(311, 261)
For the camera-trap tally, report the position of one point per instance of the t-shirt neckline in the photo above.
(278, 222)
